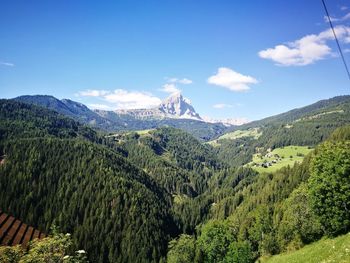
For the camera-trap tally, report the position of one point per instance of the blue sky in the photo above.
(232, 59)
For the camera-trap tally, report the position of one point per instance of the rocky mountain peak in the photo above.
(178, 106)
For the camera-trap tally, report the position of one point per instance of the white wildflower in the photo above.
(81, 251)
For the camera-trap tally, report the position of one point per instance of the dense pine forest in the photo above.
(163, 195)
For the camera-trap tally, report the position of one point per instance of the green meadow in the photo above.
(282, 156)
(325, 250)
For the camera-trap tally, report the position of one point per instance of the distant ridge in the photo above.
(73, 109)
(175, 111)
(298, 113)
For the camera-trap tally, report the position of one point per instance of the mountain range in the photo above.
(175, 111)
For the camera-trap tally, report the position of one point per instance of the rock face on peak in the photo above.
(174, 107)
(179, 107)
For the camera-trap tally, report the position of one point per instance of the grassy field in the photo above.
(242, 133)
(286, 156)
(254, 132)
(326, 250)
(144, 132)
(140, 132)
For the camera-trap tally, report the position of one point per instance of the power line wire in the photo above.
(336, 39)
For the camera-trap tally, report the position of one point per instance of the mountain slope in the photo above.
(22, 120)
(299, 113)
(175, 159)
(326, 250)
(51, 173)
(75, 110)
(306, 126)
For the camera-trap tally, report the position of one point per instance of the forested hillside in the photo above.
(277, 212)
(113, 209)
(174, 158)
(163, 195)
(69, 108)
(307, 126)
(21, 120)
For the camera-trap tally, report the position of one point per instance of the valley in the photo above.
(250, 193)
(174, 131)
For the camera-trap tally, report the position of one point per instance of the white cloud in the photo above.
(100, 106)
(306, 50)
(185, 81)
(124, 99)
(336, 19)
(333, 19)
(170, 88)
(171, 85)
(231, 80)
(92, 93)
(7, 64)
(132, 100)
(343, 8)
(222, 106)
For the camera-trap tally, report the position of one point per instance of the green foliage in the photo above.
(11, 254)
(259, 211)
(324, 250)
(182, 250)
(239, 252)
(55, 249)
(329, 186)
(214, 241)
(299, 224)
(341, 134)
(257, 229)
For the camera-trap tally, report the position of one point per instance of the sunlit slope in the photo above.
(326, 250)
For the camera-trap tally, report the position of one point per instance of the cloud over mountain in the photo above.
(124, 99)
